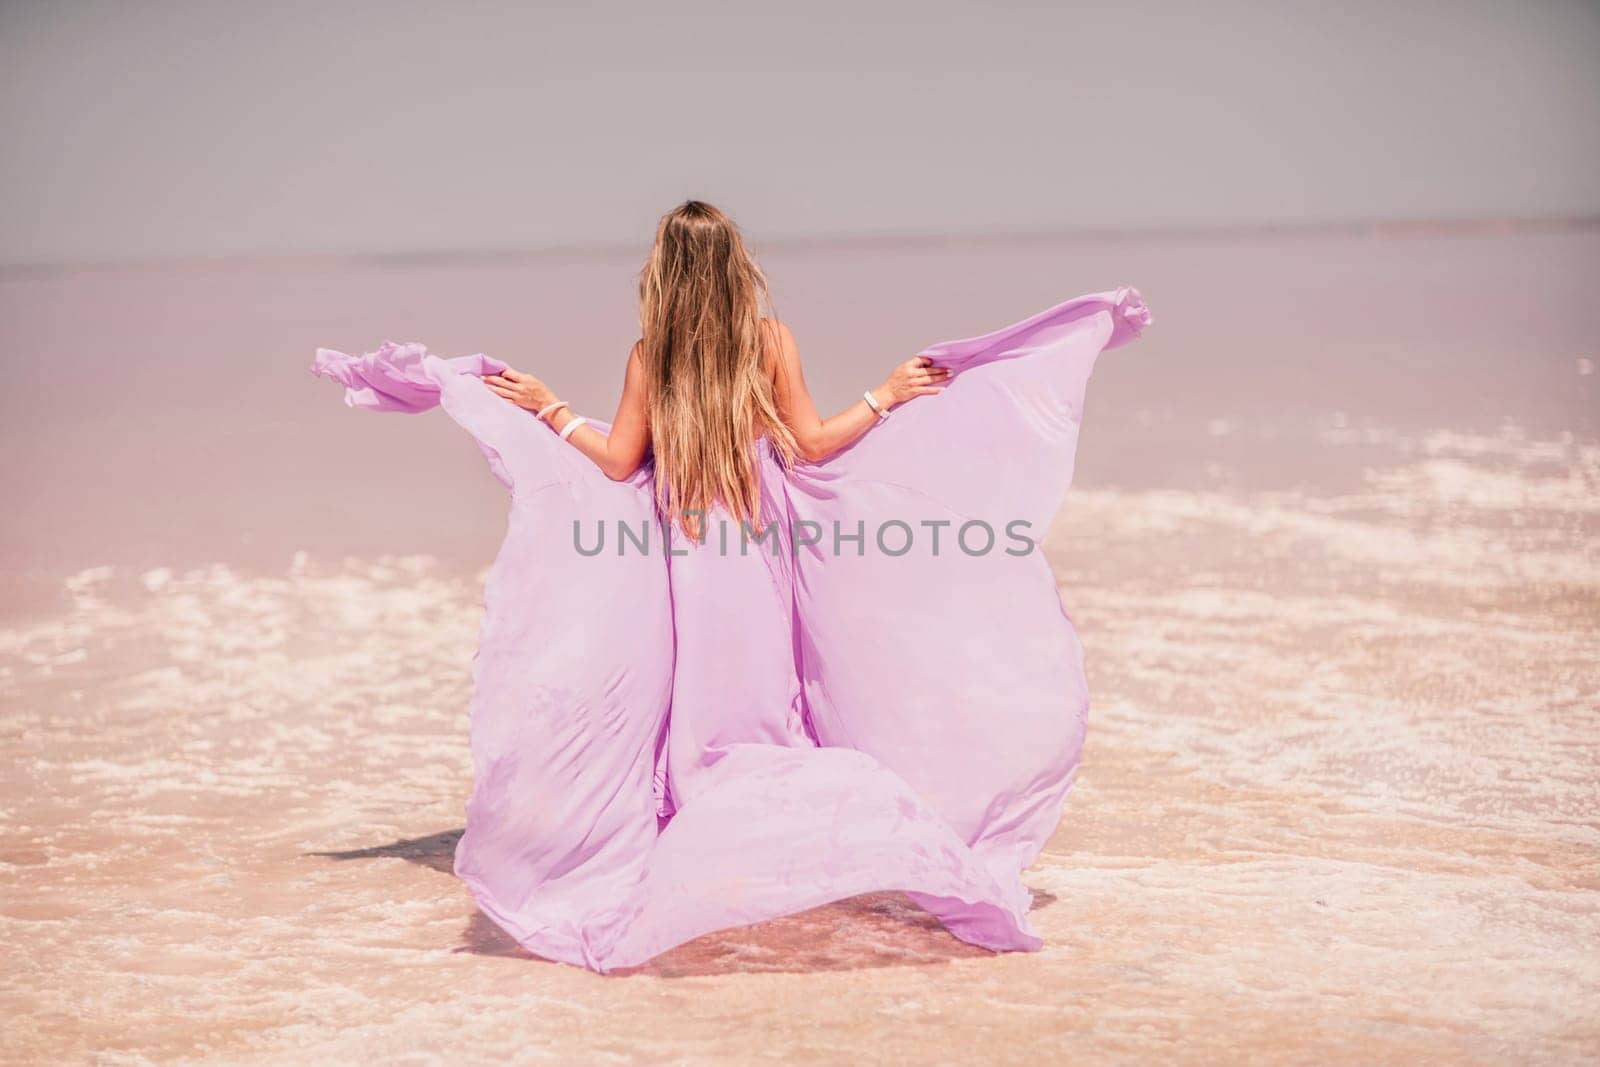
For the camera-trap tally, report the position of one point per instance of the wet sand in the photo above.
(1339, 799)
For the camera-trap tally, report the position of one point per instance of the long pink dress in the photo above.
(671, 738)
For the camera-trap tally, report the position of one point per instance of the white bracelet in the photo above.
(550, 409)
(577, 420)
(872, 402)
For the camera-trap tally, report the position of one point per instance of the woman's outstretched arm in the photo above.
(819, 438)
(618, 454)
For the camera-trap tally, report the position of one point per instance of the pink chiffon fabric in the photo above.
(882, 696)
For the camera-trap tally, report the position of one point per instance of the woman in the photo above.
(713, 376)
(828, 675)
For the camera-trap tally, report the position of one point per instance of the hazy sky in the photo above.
(157, 129)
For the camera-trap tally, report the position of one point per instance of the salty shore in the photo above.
(1334, 552)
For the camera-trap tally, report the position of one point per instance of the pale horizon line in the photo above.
(1382, 229)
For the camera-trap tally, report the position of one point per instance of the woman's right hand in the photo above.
(913, 378)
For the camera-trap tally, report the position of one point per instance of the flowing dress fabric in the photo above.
(675, 741)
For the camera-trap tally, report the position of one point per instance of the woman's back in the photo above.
(710, 374)
(703, 359)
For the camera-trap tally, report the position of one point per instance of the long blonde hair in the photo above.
(708, 390)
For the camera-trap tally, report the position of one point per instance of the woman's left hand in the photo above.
(523, 390)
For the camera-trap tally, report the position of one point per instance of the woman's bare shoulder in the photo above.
(777, 342)
(777, 345)
(633, 370)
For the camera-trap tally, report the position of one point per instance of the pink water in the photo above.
(164, 416)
